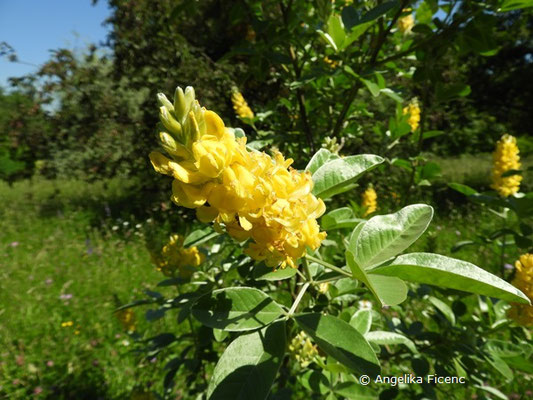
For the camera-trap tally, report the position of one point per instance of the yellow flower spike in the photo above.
(369, 201)
(247, 194)
(240, 105)
(506, 158)
(523, 280)
(413, 110)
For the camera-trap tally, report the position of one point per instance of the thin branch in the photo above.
(350, 97)
(298, 299)
(328, 265)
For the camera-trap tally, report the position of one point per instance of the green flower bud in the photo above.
(168, 121)
(164, 102)
(180, 105)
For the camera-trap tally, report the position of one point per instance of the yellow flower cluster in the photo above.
(173, 257)
(369, 201)
(254, 196)
(523, 280)
(241, 106)
(302, 349)
(332, 63)
(506, 158)
(66, 324)
(413, 110)
(405, 24)
(127, 319)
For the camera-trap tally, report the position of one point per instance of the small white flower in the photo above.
(365, 305)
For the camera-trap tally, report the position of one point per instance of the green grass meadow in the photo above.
(59, 267)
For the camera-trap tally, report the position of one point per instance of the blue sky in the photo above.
(34, 27)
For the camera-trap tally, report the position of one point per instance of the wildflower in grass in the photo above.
(67, 324)
(302, 349)
(174, 258)
(323, 287)
(240, 105)
(523, 280)
(65, 296)
(248, 194)
(413, 112)
(369, 201)
(127, 318)
(406, 23)
(506, 158)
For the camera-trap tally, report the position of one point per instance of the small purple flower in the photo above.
(508, 266)
(14, 244)
(89, 246)
(49, 281)
(66, 296)
(49, 363)
(38, 390)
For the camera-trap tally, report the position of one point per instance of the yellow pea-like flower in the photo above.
(506, 158)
